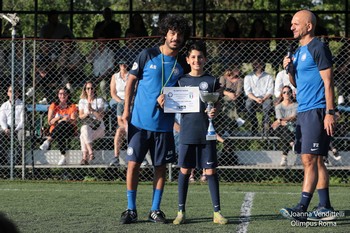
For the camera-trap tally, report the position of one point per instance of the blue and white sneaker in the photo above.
(157, 216)
(322, 213)
(295, 213)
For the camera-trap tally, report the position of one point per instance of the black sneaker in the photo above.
(295, 213)
(128, 216)
(156, 216)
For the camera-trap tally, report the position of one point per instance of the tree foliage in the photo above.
(83, 21)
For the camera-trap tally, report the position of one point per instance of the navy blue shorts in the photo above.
(311, 137)
(160, 145)
(198, 155)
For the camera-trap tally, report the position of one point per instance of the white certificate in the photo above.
(181, 99)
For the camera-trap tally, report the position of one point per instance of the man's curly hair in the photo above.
(176, 23)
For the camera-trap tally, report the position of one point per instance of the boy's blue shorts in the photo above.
(198, 155)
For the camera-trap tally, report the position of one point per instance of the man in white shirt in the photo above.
(5, 123)
(282, 79)
(103, 61)
(258, 87)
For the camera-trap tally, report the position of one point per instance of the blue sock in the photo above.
(157, 198)
(323, 196)
(213, 182)
(131, 195)
(182, 189)
(305, 200)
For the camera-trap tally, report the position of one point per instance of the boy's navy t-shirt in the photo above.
(194, 126)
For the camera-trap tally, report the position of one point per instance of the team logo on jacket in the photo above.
(176, 71)
(135, 66)
(203, 86)
(129, 151)
(303, 57)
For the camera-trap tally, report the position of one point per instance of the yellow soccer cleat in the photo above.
(219, 219)
(180, 218)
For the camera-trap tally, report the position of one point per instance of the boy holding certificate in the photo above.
(194, 149)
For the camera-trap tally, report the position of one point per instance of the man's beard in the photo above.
(176, 48)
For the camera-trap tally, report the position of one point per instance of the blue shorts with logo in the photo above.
(311, 137)
(160, 145)
(198, 155)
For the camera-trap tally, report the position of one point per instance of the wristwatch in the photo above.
(330, 112)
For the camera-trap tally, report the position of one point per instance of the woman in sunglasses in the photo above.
(91, 109)
(62, 117)
(233, 100)
(284, 125)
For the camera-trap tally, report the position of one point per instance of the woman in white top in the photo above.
(117, 87)
(91, 109)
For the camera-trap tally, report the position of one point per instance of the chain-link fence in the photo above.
(50, 141)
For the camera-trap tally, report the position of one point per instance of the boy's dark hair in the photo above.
(199, 46)
(176, 23)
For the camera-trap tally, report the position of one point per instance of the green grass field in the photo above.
(96, 207)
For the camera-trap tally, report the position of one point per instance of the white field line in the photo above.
(246, 207)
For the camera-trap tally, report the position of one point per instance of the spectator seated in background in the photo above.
(62, 117)
(91, 110)
(231, 29)
(284, 30)
(46, 71)
(102, 59)
(129, 49)
(233, 100)
(261, 46)
(284, 125)
(71, 64)
(108, 27)
(258, 87)
(155, 26)
(282, 44)
(5, 123)
(282, 79)
(23, 64)
(137, 26)
(54, 29)
(117, 86)
(46, 83)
